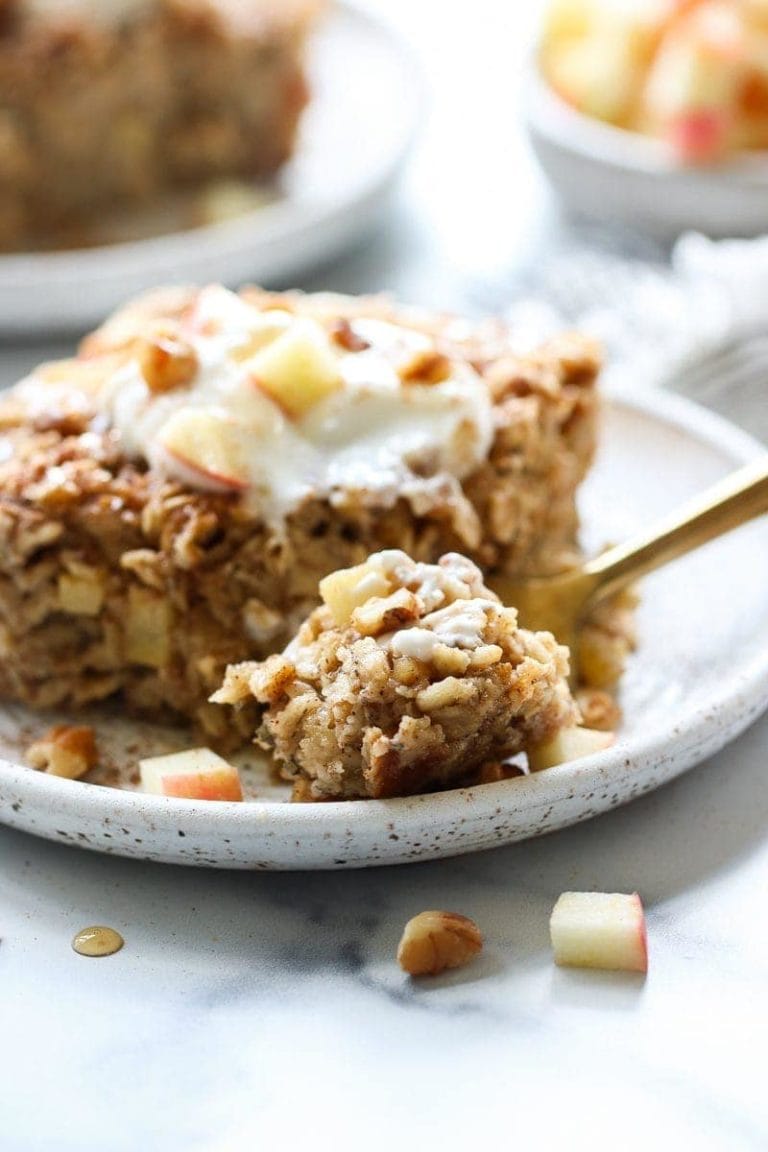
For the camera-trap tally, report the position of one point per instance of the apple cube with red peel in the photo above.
(692, 89)
(298, 369)
(195, 774)
(208, 445)
(699, 136)
(599, 930)
(569, 744)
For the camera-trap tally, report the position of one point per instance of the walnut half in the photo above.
(66, 751)
(435, 941)
(167, 361)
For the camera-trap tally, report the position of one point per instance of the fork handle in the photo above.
(733, 501)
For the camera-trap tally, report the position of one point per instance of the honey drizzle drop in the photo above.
(97, 941)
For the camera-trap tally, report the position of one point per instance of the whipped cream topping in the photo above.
(356, 432)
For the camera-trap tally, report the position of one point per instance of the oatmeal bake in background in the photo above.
(170, 498)
(112, 102)
(409, 677)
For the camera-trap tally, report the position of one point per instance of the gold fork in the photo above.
(559, 603)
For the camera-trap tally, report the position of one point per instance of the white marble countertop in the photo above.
(247, 1009)
(259, 1011)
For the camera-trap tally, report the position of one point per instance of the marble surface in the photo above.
(248, 1009)
(257, 1011)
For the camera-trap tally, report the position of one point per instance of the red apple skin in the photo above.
(698, 137)
(282, 408)
(632, 938)
(225, 483)
(191, 320)
(642, 965)
(203, 785)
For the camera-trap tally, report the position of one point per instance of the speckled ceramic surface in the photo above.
(699, 678)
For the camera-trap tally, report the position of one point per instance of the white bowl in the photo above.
(615, 175)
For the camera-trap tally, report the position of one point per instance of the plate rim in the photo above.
(750, 684)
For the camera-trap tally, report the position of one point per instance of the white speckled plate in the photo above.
(699, 678)
(350, 152)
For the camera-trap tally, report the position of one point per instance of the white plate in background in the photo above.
(699, 678)
(610, 174)
(355, 136)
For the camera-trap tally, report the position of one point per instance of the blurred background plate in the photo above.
(610, 174)
(366, 103)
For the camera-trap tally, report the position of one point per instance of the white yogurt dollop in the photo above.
(371, 440)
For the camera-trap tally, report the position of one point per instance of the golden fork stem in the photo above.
(558, 603)
(731, 502)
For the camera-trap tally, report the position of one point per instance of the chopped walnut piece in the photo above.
(383, 614)
(279, 675)
(496, 770)
(343, 334)
(435, 941)
(66, 751)
(167, 361)
(301, 793)
(427, 366)
(598, 709)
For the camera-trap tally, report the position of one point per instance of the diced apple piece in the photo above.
(228, 199)
(693, 87)
(599, 930)
(267, 327)
(298, 369)
(81, 594)
(566, 20)
(147, 628)
(569, 744)
(698, 137)
(575, 19)
(349, 588)
(196, 774)
(596, 75)
(756, 10)
(595, 52)
(209, 445)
